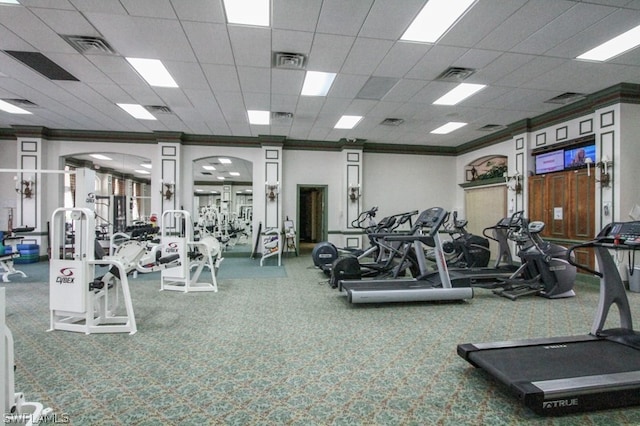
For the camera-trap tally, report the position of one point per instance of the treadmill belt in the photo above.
(557, 361)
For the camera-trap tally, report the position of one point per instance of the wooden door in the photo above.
(484, 207)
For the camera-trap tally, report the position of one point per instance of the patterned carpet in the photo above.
(286, 350)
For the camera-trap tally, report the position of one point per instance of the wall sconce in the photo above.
(354, 192)
(514, 183)
(605, 176)
(169, 190)
(25, 187)
(271, 190)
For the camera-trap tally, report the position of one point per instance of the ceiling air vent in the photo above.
(392, 121)
(280, 116)
(159, 109)
(89, 45)
(293, 61)
(455, 74)
(566, 98)
(23, 103)
(492, 127)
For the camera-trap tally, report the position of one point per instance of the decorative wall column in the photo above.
(352, 190)
(30, 186)
(167, 174)
(608, 196)
(272, 155)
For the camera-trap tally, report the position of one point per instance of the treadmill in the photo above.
(564, 375)
(436, 287)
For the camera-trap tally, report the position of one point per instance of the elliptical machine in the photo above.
(545, 270)
(325, 253)
(464, 250)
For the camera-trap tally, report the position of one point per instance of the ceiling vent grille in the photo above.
(281, 116)
(159, 109)
(24, 103)
(392, 121)
(90, 45)
(455, 74)
(293, 61)
(492, 127)
(566, 98)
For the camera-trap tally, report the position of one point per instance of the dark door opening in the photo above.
(312, 215)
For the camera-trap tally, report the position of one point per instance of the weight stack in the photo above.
(29, 253)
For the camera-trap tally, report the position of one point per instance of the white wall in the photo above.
(626, 168)
(401, 183)
(314, 168)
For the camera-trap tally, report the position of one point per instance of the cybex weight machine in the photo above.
(76, 302)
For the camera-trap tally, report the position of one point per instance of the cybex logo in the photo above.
(66, 276)
(172, 248)
(560, 403)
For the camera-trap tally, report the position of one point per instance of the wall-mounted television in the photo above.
(548, 162)
(576, 157)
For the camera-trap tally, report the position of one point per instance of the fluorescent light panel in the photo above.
(448, 128)
(137, 111)
(459, 93)
(234, 173)
(614, 47)
(12, 109)
(348, 121)
(259, 117)
(153, 71)
(9, 2)
(143, 172)
(100, 157)
(317, 83)
(248, 12)
(224, 161)
(208, 167)
(435, 19)
(146, 165)
(221, 178)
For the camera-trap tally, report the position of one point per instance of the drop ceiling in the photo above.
(524, 51)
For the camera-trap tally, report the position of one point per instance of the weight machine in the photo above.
(177, 239)
(79, 299)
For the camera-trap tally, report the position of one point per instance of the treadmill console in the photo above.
(431, 219)
(620, 232)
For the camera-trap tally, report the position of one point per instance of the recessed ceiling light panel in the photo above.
(614, 47)
(153, 72)
(461, 92)
(448, 128)
(317, 83)
(435, 19)
(348, 121)
(248, 12)
(137, 111)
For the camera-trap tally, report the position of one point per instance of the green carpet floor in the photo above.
(287, 350)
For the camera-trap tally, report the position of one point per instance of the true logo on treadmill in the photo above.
(65, 276)
(555, 346)
(560, 403)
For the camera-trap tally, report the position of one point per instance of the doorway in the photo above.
(312, 216)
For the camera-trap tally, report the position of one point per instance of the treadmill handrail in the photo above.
(572, 261)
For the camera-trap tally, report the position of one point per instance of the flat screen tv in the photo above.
(575, 157)
(549, 162)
